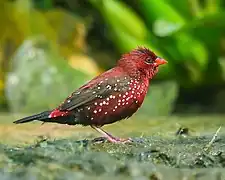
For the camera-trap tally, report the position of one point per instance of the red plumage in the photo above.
(112, 96)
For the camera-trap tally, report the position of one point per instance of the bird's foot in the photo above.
(112, 139)
(119, 140)
(127, 140)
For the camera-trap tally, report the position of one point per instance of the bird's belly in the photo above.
(115, 110)
(115, 115)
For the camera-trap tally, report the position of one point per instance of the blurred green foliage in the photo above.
(171, 33)
(190, 34)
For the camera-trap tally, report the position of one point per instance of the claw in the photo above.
(110, 138)
(120, 140)
(99, 140)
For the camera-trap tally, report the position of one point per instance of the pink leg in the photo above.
(111, 138)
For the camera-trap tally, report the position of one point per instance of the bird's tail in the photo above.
(43, 116)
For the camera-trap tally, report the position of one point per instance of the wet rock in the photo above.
(39, 78)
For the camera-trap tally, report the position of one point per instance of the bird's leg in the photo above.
(110, 137)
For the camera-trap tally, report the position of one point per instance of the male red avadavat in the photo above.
(112, 96)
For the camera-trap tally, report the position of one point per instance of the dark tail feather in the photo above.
(41, 117)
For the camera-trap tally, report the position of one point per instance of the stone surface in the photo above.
(39, 78)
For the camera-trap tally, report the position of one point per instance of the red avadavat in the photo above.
(112, 96)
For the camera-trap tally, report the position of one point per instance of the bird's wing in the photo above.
(100, 89)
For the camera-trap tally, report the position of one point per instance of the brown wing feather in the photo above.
(87, 94)
(79, 98)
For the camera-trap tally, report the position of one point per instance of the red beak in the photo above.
(160, 61)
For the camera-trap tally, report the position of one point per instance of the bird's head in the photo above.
(141, 62)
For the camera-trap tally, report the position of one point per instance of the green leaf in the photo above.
(182, 7)
(213, 6)
(155, 10)
(208, 29)
(43, 4)
(118, 14)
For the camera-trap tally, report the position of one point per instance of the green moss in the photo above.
(161, 155)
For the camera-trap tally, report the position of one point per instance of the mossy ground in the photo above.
(50, 151)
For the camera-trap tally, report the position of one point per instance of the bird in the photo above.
(112, 96)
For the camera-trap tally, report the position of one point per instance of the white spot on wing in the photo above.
(108, 87)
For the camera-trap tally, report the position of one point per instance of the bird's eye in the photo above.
(149, 60)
